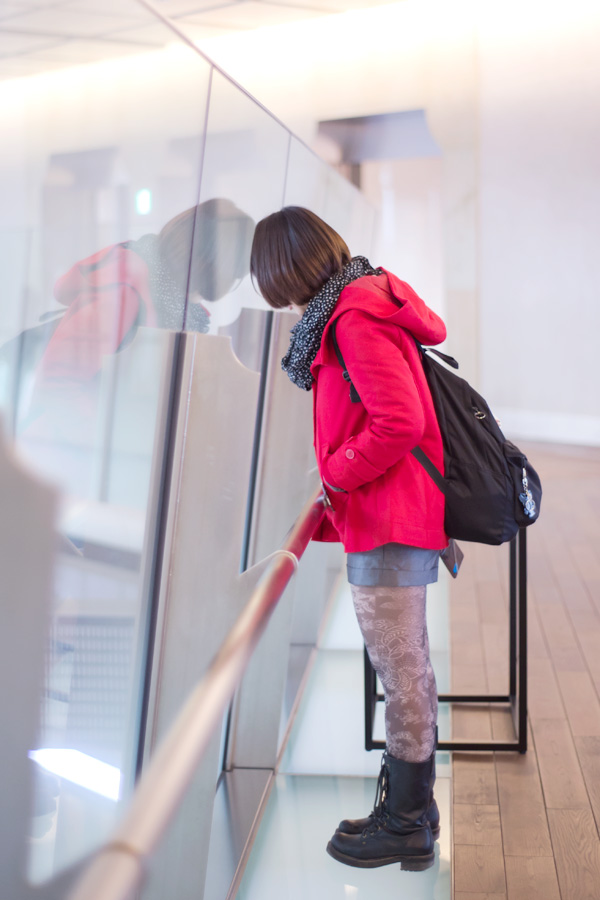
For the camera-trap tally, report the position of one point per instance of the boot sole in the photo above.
(435, 833)
(407, 863)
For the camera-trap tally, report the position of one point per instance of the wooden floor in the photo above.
(526, 826)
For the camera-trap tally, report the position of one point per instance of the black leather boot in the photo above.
(356, 826)
(399, 831)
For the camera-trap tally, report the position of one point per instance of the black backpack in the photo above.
(491, 489)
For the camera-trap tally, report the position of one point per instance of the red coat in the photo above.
(107, 295)
(365, 447)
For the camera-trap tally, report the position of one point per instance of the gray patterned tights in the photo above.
(392, 621)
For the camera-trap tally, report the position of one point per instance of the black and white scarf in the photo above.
(307, 333)
(169, 300)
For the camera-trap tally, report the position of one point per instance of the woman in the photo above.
(384, 507)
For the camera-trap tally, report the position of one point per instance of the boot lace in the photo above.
(380, 813)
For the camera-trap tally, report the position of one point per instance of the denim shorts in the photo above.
(393, 565)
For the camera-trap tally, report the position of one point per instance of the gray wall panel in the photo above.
(200, 594)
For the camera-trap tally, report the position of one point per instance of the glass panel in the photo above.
(307, 179)
(243, 178)
(312, 183)
(347, 210)
(288, 857)
(105, 143)
(244, 168)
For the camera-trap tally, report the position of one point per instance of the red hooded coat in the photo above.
(107, 296)
(364, 448)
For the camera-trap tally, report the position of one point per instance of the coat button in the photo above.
(349, 454)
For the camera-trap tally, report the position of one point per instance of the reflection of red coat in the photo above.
(107, 296)
(364, 447)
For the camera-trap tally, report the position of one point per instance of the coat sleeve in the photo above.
(382, 376)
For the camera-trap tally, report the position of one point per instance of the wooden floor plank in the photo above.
(467, 647)
(548, 800)
(471, 722)
(522, 810)
(586, 558)
(536, 645)
(503, 728)
(545, 700)
(562, 781)
(493, 606)
(581, 703)
(570, 585)
(486, 562)
(495, 648)
(577, 853)
(474, 779)
(588, 751)
(477, 824)
(468, 679)
(565, 650)
(531, 878)
(464, 611)
(462, 895)
(479, 868)
(587, 628)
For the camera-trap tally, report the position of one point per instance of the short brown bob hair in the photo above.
(294, 252)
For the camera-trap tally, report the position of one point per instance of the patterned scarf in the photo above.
(168, 298)
(307, 333)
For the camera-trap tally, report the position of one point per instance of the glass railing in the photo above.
(136, 171)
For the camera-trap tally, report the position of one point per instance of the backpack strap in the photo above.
(420, 455)
(443, 356)
(354, 395)
(433, 472)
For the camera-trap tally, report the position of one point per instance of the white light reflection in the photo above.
(143, 202)
(81, 769)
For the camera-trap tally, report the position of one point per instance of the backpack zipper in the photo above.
(526, 497)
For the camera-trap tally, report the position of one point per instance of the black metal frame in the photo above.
(517, 695)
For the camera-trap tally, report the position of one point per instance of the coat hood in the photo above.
(387, 297)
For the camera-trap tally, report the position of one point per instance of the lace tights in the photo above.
(392, 621)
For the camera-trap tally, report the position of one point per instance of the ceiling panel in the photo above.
(251, 14)
(36, 35)
(25, 5)
(76, 53)
(72, 22)
(188, 7)
(9, 9)
(127, 8)
(159, 34)
(330, 6)
(18, 44)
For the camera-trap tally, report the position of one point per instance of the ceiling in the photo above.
(41, 35)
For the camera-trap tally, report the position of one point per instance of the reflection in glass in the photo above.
(97, 159)
(96, 375)
(67, 399)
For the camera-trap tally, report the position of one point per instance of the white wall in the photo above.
(511, 94)
(540, 217)
(409, 232)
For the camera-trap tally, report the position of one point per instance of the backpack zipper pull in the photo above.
(526, 497)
